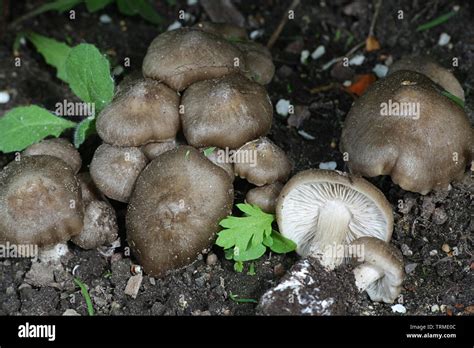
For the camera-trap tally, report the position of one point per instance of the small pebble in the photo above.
(444, 39)
(118, 70)
(439, 216)
(133, 285)
(410, 268)
(174, 25)
(328, 165)
(357, 60)
(282, 107)
(71, 313)
(406, 250)
(318, 52)
(4, 97)
(433, 252)
(398, 308)
(434, 308)
(105, 19)
(347, 83)
(380, 70)
(279, 270)
(10, 291)
(306, 135)
(192, 2)
(211, 259)
(304, 56)
(152, 281)
(256, 34)
(446, 248)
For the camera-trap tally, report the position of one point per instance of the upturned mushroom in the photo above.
(403, 127)
(40, 202)
(225, 112)
(115, 169)
(184, 56)
(265, 196)
(380, 271)
(175, 209)
(144, 111)
(261, 162)
(323, 211)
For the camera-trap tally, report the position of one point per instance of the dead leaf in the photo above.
(361, 83)
(372, 44)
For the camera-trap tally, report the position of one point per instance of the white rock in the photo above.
(306, 135)
(347, 83)
(435, 308)
(410, 267)
(380, 70)
(4, 97)
(105, 19)
(256, 34)
(433, 252)
(444, 39)
(398, 308)
(318, 52)
(192, 2)
(357, 60)
(133, 285)
(174, 25)
(328, 165)
(304, 56)
(282, 107)
(70, 312)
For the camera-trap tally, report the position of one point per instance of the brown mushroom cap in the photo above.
(175, 209)
(421, 152)
(267, 162)
(142, 112)
(184, 56)
(153, 150)
(221, 159)
(265, 196)
(428, 67)
(227, 31)
(40, 202)
(60, 148)
(115, 170)
(258, 62)
(225, 112)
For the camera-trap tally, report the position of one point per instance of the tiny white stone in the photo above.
(435, 308)
(444, 39)
(306, 135)
(380, 70)
(328, 165)
(105, 19)
(4, 97)
(456, 8)
(256, 34)
(433, 252)
(118, 70)
(347, 83)
(357, 60)
(304, 56)
(192, 2)
(174, 25)
(398, 308)
(22, 41)
(318, 52)
(282, 107)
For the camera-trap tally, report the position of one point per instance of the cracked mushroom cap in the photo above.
(60, 148)
(420, 150)
(259, 65)
(115, 170)
(227, 31)
(142, 112)
(323, 210)
(175, 209)
(428, 67)
(40, 202)
(184, 56)
(261, 162)
(225, 112)
(265, 196)
(380, 272)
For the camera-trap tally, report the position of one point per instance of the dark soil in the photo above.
(434, 232)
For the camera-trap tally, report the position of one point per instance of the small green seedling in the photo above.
(236, 298)
(85, 294)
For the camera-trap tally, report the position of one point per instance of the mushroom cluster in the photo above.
(175, 138)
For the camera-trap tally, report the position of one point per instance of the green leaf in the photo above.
(281, 245)
(54, 52)
(207, 152)
(238, 266)
(251, 270)
(139, 7)
(88, 75)
(455, 99)
(437, 21)
(236, 298)
(252, 253)
(58, 5)
(83, 130)
(26, 125)
(85, 294)
(96, 5)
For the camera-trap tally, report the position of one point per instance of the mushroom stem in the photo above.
(332, 229)
(366, 274)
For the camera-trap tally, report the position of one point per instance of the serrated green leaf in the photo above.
(88, 75)
(55, 53)
(281, 245)
(26, 125)
(96, 5)
(83, 130)
(252, 253)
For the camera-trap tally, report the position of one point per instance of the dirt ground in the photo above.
(434, 232)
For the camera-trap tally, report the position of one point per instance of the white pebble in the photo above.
(4, 97)
(328, 165)
(318, 52)
(256, 34)
(398, 308)
(105, 19)
(435, 308)
(347, 83)
(306, 135)
(444, 39)
(118, 70)
(174, 25)
(192, 2)
(380, 70)
(283, 107)
(304, 56)
(357, 60)
(433, 252)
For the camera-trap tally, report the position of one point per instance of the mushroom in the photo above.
(40, 202)
(175, 209)
(225, 112)
(259, 65)
(403, 127)
(265, 196)
(221, 159)
(322, 211)
(115, 169)
(153, 150)
(380, 272)
(100, 221)
(142, 112)
(60, 148)
(227, 31)
(428, 67)
(184, 56)
(261, 162)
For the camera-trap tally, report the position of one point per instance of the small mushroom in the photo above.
(142, 112)
(258, 62)
(380, 272)
(60, 148)
(115, 169)
(40, 202)
(265, 196)
(261, 162)
(227, 31)
(175, 209)
(184, 56)
(221, 159)
(153, 150)
(428, 67)
(322, 211)
(403, 127)
(225, 112)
